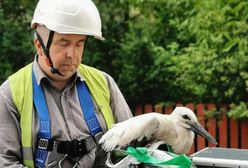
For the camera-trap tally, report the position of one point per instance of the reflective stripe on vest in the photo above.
(21, 88)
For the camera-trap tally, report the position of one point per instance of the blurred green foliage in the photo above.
(165, 51)
(238, 111)
(15, 37)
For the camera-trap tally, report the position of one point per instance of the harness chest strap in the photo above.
(72, 148)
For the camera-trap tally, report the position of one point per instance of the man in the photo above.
(53, 111)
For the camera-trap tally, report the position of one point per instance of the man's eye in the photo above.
(62, 44)
(79, 44)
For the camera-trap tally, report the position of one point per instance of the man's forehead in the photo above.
(69, 37)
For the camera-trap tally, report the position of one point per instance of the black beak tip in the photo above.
(215, 142)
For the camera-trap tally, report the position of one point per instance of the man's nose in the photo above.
(71, 51)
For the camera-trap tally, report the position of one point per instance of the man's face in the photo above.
(66, 53)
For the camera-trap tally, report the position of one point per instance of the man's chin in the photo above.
(67, 73)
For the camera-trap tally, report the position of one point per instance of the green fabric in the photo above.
(21, 86)
(22, 93)
(142, 155)
(29, 163)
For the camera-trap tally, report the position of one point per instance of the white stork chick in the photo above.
(176, 130)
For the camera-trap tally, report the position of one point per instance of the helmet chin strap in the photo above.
(46, 51)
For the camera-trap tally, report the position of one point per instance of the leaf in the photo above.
(230, 45)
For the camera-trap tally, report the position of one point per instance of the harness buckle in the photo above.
(98, 136)
(89, 143)
(77, 148)
(43, 144)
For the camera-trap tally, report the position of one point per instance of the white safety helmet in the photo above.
(68, 17)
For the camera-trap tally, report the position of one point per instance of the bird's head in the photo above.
(185, 118)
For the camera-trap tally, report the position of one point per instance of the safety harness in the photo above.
(21, 85)
(72, 148)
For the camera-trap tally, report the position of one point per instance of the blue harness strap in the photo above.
(88, 109)
(44, 133)
(45, 124)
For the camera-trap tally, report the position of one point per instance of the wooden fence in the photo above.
(229, 133)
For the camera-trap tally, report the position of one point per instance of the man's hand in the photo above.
(100, 159)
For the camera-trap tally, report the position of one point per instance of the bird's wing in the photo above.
(136, 128)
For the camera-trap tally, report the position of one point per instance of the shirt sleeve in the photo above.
(119, 106)
(10, 141)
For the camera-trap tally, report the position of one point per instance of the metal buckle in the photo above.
(98, 137)
(89, 143)
(62, 160)
(43, 144)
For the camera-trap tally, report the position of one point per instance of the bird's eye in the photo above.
(186, 117)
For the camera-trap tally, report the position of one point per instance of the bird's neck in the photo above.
(183, 142)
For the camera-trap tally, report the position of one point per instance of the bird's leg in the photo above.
(138, 143)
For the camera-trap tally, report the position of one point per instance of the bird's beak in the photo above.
(198, 129)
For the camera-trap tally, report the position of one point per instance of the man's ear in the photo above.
(38, 47)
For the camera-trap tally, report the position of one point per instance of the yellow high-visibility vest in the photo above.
(22, 93)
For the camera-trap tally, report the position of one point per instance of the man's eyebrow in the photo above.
(66, 40)
(63, 39)
(82, 40)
